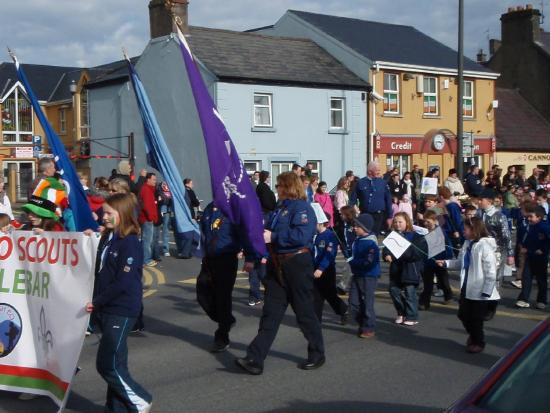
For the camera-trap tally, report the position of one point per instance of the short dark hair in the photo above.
(263, 176)
(541, 192)
(349, 173)
(296, 166)
(149, 175)
(186, 181)
(539, 212)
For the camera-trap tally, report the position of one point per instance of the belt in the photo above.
(292, 254)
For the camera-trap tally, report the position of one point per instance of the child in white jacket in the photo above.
(478, 280)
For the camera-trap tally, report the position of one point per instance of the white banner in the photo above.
(45, 281)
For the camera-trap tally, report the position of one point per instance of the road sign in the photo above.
(467, 146)
(37, 146)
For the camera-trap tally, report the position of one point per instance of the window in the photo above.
(278, 168)
(430, 95)
(24, 175)
(17, 118)
(263, 113)
(337, 112)
(468, 99)
(402, 162)
(391, 93)
(316, 168)
(252, 166)
(62, 121)
(84, 115)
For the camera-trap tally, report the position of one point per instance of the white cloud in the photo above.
(91, 32)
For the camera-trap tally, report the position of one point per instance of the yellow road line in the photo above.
(149, 293)
(161, 279)
(147, 278)
(386, 295)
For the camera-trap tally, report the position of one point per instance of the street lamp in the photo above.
(72, 87)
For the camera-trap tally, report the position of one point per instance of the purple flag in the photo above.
(231, 188)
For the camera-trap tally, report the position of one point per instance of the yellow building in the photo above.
(59, 90)
(414, 116)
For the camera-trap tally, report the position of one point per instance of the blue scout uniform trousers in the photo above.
(123, 393)
(325, 289)
(296, 290)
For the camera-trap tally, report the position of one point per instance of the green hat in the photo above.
(47, 198)
(41, 207)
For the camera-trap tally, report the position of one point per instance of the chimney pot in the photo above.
(511, 9)
(519, 8)
(529, 7)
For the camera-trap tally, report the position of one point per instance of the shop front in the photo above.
(435, 149)
(526, 161)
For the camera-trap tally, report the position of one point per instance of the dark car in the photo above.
(518, 382)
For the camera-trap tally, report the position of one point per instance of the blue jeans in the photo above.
(165, 232)
(149, 238)
(123, 393)
(254, 278)
(361, 302)
(405, 300)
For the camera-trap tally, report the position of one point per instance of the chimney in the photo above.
(494, 45)
(481, 57)
(520, 25)
(160, 16)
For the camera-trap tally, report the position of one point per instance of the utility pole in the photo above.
(459, 122)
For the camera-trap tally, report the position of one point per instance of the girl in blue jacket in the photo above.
(117, 302)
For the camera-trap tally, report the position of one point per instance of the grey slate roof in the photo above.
(519, 126)
(388, 42)
(255, 57)
(43, 79)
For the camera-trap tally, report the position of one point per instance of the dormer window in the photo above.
(17, 116)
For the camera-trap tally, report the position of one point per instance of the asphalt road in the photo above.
(404, 369)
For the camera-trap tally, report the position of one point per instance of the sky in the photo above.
(87, 33)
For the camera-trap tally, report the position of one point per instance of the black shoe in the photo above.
(312, 365)
(340, 291)
(249, 365)
(219, 346)
(184, 257)
(344, 318)
(423, 307)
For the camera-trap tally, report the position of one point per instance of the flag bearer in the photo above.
(289, 277)
(223, 241)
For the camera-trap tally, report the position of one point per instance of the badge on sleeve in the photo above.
(126, 268)
(304, 218)
(322, 244)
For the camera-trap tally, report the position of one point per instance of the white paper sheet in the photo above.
(396, 244)
(436, 242)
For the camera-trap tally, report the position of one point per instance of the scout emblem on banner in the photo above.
(45, 280)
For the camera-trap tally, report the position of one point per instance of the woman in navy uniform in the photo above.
(289, 277)
(223, 241)
(117, 302)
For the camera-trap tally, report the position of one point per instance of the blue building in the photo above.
(283, 100)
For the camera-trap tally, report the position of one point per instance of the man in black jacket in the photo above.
(192, 200)
(265, 194)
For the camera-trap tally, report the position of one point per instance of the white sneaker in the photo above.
(399, 320)
(522, 304)
(516, 283)
(166, 254)
(438, 293)
(541, 306)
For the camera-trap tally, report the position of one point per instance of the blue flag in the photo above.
(160, 157)
(231, 188)
(77, 197)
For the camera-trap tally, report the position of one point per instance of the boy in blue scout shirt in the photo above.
(222, 242)
(537, 248)
(325, 250)
(522, 225)
(365, 266)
